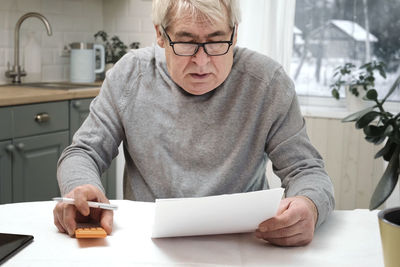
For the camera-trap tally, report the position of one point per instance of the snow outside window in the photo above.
(328, 33)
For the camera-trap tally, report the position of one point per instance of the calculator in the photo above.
(89, 230)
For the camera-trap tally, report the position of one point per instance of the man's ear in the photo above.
(160, 38)
(236, 35)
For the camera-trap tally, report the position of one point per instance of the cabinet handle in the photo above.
(77, 104)
(42, 117)
(20, 146)
(10, 148)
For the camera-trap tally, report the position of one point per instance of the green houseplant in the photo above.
(356, 79)
(114, 48)
(380, 125)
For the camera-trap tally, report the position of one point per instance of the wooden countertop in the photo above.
(19, 95)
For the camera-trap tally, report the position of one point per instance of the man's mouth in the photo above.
(199, 75)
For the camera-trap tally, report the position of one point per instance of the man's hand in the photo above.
(293, 225)
(66, 216)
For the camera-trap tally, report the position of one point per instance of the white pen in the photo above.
(91, 204)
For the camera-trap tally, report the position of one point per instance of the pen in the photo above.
(91, 204)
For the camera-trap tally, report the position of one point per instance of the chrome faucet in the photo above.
(16, 72)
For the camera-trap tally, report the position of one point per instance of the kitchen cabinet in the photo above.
(35, 166)
(5, 172)
(5, 157)
(79, 110)
(32, 138)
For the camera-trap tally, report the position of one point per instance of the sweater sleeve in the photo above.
(96, 142)
(294, 159)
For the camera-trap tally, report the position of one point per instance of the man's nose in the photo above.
(201, 58)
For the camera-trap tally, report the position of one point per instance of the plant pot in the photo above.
(357, 103)
(389, 225)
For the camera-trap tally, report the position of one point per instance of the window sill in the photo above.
(323, 107)
(324, 112)
(327, 107)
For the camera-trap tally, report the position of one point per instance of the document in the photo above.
(223, 214)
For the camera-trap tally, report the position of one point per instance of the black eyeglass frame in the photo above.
(171, 43)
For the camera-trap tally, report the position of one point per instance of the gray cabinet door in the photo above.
(5, 171)
(35, 166)
(79, 110)
(6, 124)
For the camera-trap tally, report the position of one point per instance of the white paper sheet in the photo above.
(223, 214)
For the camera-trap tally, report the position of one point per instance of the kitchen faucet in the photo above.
(16, 73)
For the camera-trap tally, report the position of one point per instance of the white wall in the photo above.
(130, 20)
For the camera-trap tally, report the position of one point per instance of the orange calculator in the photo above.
(89, 230)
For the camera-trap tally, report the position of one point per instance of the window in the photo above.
(329, 33)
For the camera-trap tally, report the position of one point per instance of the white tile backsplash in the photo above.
(73, 8)
(53, 73)
(116, 8)
(2, 57)
(128, 24)
(4, 38)
(53, 41)
(136, 20)
(52, 6)
(71, 21)
(139, 8)
(3, 78)
(47, 56)
(28, 5)
(3, 23)
(147, 25)
(8, 5)
(8, 58)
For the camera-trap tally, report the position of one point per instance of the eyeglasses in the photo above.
(218, 48)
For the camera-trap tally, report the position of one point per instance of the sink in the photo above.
(56, 85)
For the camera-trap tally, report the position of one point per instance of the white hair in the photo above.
(165, 11)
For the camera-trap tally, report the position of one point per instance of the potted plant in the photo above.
(114, 48)
(356, 81)
(380, 125)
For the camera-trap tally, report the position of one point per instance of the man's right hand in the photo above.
(66, 216)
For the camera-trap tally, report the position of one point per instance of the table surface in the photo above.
(347, 238)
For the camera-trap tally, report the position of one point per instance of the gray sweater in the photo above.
(180, 145)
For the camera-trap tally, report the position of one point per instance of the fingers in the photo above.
(282, 232)
(82, 194)
(292, 226)
(292, 241)
(296, 235)
(283, 219)
(57, 220)
(69, 215)
(283, 206)
(66, 216)
(106, 220)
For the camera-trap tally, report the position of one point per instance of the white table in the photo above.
(348, 238)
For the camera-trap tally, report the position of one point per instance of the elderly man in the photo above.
(197, 117)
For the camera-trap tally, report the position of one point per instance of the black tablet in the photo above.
(10, 244)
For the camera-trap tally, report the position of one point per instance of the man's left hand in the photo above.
(293, 225)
